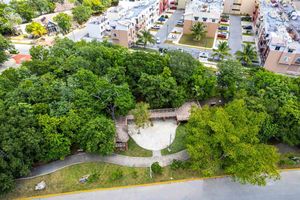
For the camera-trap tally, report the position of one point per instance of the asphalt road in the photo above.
(166, 29)
(288, 188)
(23, 48)
(235, 37)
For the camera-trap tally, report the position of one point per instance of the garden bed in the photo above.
(189, 40)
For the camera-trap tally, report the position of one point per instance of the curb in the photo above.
(138, 185)
(122, 187)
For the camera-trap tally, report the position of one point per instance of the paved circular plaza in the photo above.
(156, 137)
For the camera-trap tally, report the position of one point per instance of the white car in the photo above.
(157, 40)
(203, 56)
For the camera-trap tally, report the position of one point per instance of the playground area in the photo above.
(155, 137)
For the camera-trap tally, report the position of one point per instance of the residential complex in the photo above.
(240, 7)
(208, 12)
(278, 36)
(121, 24)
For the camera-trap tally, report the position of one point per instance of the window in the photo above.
(277, 48)
(286, 59)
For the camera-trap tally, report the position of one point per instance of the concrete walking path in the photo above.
(113, 159)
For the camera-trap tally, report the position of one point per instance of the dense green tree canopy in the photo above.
(227, 139)
(81, 14)
(64, 22)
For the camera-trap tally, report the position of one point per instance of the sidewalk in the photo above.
(113, 159)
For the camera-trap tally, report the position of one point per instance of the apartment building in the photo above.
(278, 36)
(240, 7)
(121, 24)
(206, 11)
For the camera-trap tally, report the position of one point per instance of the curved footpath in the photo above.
(113, 159)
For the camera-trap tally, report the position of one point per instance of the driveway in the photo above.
(166, 29)
(235, 37)
(210, 189)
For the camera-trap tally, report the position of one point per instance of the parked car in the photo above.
(203, 55)
(162, 19)
(222, 35)
(173, 8)
(157, 40)
(156, 27)
(224, 20)
(249, 27)
(223, 28)
(180, 23)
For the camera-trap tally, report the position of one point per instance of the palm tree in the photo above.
(222, 51)
(36, 29)
(198, 31)
(247, 55)
(145, 37)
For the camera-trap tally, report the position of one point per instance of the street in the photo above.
(210, 189)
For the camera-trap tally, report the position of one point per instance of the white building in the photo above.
(122, 23)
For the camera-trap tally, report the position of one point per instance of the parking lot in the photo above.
(235, 37)
(168, 26)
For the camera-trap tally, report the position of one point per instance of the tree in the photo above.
(198, 31)
(63, 21)
(204, 83)
(96, 5)
(81, 14)
(39, 53)
(247, 55)
(98, 136)
(227, 139)
(161, 90)
(8, 19)
(5, 45)
(42, 6)
(222, 51)
(145, 37)
(24, 9)
(141, 115)
(36, 29)
(230, 77)
(182, 65)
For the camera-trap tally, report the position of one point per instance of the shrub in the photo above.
(156, 168)
(134, 174)
(93, 177)
(116, 175)
(177, 164)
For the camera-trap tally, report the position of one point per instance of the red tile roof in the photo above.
(19, 58)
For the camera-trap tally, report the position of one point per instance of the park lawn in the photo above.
(135, 150)
(67, 179)
(179, 142)
(188, 39)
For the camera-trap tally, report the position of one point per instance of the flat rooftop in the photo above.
(210, 9)
(281, 22)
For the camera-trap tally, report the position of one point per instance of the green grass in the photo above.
(135, 150)
(179, 142)
(188, 39)
(67, 179)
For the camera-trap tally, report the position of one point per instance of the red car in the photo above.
(222, 36)
(224, 20)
